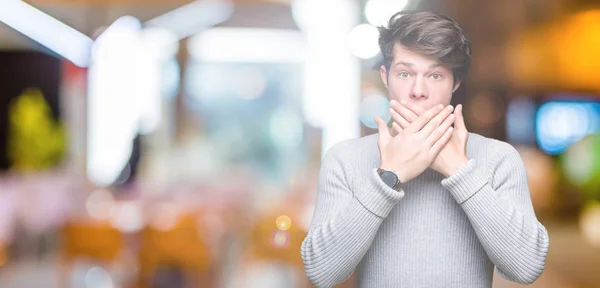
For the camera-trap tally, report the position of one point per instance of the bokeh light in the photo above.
(560, 124)
(589, 224)
(363, 41)
(374, 105)
(280, 239)
(97, 277)
(283, 222)
(165, 216)
(378, 12)
(581, 163)
(485, 109)
(286, 128)
(128, 217)
(100, 204)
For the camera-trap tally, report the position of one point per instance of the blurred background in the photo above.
(177, 144)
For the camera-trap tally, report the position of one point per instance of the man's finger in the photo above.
(418, 110)
(439, 144)
(424, 119)
(399, 119)
(406, 113)
(384, 132)
(459, 123)
(396, 127)
(436, 121)
(439, 131)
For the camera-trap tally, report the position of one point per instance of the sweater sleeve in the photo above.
(502, 214)
(346, 219)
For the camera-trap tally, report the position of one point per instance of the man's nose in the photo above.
(419, 90)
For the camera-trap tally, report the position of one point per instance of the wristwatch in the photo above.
(390, 178)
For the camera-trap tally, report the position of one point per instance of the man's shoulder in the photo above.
(350, 149)
(477, 140)
(354, 145)
(491, 149)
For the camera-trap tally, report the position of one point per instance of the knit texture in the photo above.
(435, 232)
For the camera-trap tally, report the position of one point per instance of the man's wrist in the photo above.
(456, 166)
(390, 177)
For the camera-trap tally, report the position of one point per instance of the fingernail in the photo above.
(403, 102)
(441, 106)
(393, 101)
(449, 107)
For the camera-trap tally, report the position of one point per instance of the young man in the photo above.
(424, 204)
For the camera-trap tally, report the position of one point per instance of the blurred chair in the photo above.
(92, 240)
(176, 249)
(267, 242)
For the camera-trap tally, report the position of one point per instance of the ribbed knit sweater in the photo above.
(436, 231)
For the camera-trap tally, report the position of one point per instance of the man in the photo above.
(425, 204)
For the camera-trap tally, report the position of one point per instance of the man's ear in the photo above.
(384, 75)
(456, 85)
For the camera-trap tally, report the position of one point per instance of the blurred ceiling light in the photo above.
(378, 12)
(330, 100)
(113, 99)
(124, 29)
(46, 30)
(160, 43)
(363, 41)
(193, 17)
(247, 45)
(317, 14)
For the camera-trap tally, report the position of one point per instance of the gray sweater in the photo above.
(435, 232)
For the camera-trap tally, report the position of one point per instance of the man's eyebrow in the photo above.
(408, 64)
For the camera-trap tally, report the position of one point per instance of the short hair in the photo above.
(429, 34)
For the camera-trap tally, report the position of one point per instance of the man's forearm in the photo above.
(506, 227)
(338, 240)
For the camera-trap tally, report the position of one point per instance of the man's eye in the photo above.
(436, 76)
(403, 75)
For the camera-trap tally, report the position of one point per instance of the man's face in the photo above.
(418, 79)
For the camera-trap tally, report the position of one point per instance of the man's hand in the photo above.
(453, 156)
(413, 149)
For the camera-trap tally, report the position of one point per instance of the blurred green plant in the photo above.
(35, 140)
(581, 166)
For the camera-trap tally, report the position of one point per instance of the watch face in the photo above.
(389, 178)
